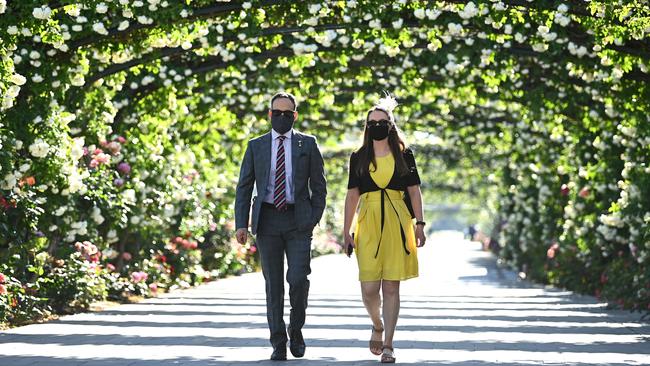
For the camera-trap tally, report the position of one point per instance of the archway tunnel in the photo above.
(123, 124)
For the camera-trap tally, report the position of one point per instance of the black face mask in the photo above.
(379, 132)
(282, 124)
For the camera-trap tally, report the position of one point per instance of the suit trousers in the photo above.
(278, 235)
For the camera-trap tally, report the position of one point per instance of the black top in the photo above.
(397, 182)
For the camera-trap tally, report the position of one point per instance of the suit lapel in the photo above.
(296, 146)
(265, 148)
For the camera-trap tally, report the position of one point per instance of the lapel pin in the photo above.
(299, 143)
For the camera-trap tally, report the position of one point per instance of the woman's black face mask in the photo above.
(378, 129)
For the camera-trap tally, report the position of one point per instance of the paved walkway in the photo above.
(462, 310)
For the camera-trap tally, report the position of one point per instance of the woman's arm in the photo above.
(351, 202)
(416, 201)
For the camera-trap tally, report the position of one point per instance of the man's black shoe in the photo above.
(296, 343)
(279, 353)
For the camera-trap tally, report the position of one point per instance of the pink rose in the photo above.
(564, 190)
(550, 253)
(110, 267)
(584, 192)
(3, 289)
(121, 139)
(3, 279)
(139, 276)
(126, 256)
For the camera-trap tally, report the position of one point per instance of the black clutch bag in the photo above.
(349, 248)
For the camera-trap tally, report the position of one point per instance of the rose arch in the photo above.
(122, 124)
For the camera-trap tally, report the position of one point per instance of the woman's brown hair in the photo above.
(366, 153)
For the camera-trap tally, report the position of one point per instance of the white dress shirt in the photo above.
(270, 188)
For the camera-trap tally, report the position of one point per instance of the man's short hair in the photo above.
(286, 95)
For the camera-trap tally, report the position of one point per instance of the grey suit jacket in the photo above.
(308, 181)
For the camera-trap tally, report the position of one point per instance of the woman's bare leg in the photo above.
(390, 290)
(372, 302)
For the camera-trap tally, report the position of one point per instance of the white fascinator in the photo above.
(387, 103)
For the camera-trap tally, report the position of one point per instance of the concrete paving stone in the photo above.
(463, 310)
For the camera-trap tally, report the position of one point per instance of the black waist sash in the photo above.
(383, 217)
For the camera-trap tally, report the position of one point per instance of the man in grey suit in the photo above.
(286, 167)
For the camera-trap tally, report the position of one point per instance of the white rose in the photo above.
(101, 8)
(313, 21)
(37, 78)
(470, 10)
(13, 91)
(540, 47)
(129, 196)
(39, 148)
(433, 14)
(419, 13)
(123, 25)
(77, 150)
(314, 8)
(78, 80)
(43, 12)
(74, 11)
(375, 23)
(13, 30)
(100, 28)
(97, 216)
(454, 28)
(9, 182)
(3, 6)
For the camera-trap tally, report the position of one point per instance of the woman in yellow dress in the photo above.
(385, 239)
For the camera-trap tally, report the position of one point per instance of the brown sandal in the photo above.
(387, 354)
(373, 345)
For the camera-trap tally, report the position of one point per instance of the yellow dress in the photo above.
(386, 259)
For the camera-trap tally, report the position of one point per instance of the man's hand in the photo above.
(242, 235)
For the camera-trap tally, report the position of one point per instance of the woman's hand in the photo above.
(420, 238)
(347, 239)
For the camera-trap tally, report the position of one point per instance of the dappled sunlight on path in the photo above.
(462, 310)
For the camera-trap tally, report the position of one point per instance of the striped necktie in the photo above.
(280, 194)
